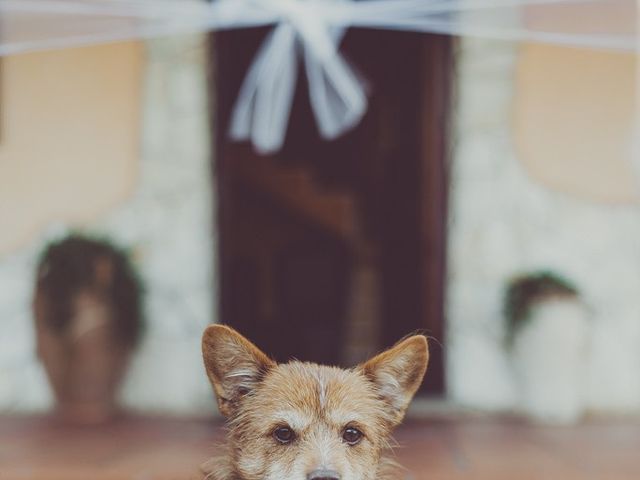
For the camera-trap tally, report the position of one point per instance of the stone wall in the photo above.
(503, 223)
(168, 222)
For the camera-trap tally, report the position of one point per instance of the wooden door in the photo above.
(297, 229)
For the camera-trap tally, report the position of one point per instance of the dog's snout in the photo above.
(323, 475)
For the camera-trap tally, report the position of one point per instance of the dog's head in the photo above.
(302, 421)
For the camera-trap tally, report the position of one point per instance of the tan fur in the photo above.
(317, 402)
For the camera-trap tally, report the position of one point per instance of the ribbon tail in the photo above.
(263, 107)
(240, 128)
(336, 93)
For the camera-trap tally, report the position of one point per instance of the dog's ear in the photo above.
(234, 365)
(397, 373)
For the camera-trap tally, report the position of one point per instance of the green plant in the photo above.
(525, 291)
(70, 265)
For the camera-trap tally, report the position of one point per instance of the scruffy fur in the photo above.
(316, 403)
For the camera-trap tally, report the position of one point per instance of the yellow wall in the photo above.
(69, 136)
(574, 117)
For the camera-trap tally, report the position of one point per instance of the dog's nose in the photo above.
(323, 475)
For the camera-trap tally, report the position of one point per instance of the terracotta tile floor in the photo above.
(478, 449)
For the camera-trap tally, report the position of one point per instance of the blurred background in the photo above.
(488, 199)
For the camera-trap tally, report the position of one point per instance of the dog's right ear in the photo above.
(234, 365)
(397, 373)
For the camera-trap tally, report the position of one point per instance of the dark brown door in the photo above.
(300, 230)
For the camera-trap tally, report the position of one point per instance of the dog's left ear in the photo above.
(397, 373)
(234, 365)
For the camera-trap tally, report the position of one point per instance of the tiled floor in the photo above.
(478, 449)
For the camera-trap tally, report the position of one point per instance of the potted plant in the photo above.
(547, 337)
(88, 317)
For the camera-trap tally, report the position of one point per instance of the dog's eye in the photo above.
(352, 435)
(283, 434)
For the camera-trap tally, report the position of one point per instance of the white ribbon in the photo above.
(314, 28)
(310, 31)
(264, 103)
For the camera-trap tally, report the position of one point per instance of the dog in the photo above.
(304, 421)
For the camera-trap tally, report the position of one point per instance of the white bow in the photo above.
(306, 28)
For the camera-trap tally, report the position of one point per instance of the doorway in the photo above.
(331, 251)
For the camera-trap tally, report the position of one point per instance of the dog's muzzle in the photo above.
(323, 475)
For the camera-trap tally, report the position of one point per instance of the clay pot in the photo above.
(85, 365)
(87, 318)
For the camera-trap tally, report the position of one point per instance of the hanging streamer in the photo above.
(311, 29)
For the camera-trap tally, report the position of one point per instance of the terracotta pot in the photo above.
(85, 363)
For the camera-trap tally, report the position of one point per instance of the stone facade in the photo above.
(503, 223)
(168, 223)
